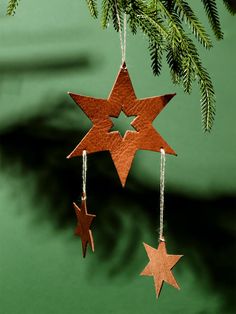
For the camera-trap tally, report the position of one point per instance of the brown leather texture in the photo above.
(84, 221)
(122, 149)
(160, 265)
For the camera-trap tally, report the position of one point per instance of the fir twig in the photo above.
(106, 8)
(156, 51)
(186, 14)
(231, 6)
(213, 17)
(11, 7)
(207, 100)
(110, 10)
(188, 74)
(205, 84)
(92, 5)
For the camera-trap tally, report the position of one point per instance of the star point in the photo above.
(100, 111)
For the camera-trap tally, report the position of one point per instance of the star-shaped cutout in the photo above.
(160, 266)
(100, 112)
(122, 123)
(84, 221)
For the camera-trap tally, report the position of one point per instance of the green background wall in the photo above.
(47, 49)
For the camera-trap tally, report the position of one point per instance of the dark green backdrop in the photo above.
(47, 49)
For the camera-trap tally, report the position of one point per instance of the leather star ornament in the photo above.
(160, 265)
(100, 111)
(84, 221)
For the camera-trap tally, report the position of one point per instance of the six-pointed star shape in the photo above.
(122, 149)
(160, 266)
(84, 221)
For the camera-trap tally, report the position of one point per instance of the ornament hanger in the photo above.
(84, 220)
(123, 149)
(160, 263)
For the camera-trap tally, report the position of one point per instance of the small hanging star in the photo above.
(101, 138)
(84, 221)
(160, 266)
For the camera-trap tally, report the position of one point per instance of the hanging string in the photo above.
(122, 39)
(84, 173)
(162, 187)
(124, 49)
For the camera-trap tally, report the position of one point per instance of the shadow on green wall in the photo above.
(203, 227)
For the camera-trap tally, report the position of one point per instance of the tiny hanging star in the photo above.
(84, 221)
(101, 138)
(160, 266)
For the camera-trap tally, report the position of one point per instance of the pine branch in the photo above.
(213, 17)
(205, 83)
(184, 62)
(111, 9)
(11, 7)
(163, 21)
(156, 51)
(153, 28)
(175, 43)
(92, 5)
(231, 6)
(167, 37)
(131, 9)
(188, 16)
(175, 64)
(106, 8)
(116, 13)
(207, 100)
(143, 18)
(188, 74)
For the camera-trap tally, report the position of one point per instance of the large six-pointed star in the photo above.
(100, 112)
(160, 266)
(84, 221)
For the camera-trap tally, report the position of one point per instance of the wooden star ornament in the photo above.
(160, 266)
(100, 111)
(84, 221)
